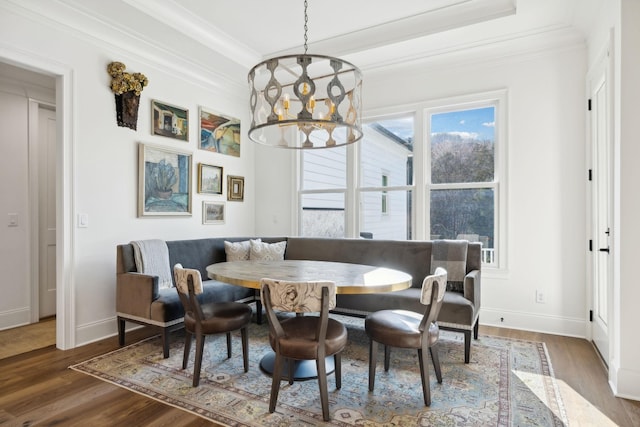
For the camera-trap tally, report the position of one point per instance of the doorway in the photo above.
(38, 209)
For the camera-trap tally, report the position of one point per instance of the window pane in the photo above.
(394, 224)
(323, 215)
(462, 146)
(324, 169)
(387, 149)
(465, 214)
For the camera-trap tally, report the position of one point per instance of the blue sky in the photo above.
(478, 123)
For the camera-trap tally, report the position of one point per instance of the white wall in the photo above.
(545, 184)
(546, 175)
(618, 20)
(104, 161)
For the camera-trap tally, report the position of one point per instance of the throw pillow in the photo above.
(261, 251)
(238, 251)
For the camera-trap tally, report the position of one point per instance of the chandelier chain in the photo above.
(306, 19)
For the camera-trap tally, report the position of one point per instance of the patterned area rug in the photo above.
(508, 383)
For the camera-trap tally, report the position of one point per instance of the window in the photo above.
(385, 208)
(383, 205)
(462, 190)
(433, 172)
(322, 195)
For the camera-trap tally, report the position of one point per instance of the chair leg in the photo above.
(258, 310)
(245, 348)
(275, 382)
(475, 328)
(166, 333)
(436, 362)
(373, 355)
(322, 383)
(198, 364)
(387, 356)
(291, 364)
(424, 375)
(228, 345)
(187, 349)
(337, 361)
(467, 346)
(121, 323)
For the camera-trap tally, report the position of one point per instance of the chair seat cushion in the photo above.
(457, 309)
(398, 328)
(220, 317)
(303, 345)
(167, 306)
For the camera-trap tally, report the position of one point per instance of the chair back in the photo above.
(297, 297)
(433, 289)
(189, 285)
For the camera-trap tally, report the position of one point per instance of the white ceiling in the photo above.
(368, 33)
(251, 30)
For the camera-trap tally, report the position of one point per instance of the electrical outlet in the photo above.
(539, 296)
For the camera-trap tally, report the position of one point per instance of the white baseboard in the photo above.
(625, 383)
(96, 331)
(15, 318)
(555, 325)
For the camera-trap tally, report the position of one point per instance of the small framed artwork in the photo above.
(209, 179)
(169, 120)
(219, 133)
(235, 188)
(213, 212)
(164, 181)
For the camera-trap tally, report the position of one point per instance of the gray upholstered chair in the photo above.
(303, 337)
(460, 310)
(407, 329)
(208, 319)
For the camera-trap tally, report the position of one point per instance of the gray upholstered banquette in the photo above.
(139, 300)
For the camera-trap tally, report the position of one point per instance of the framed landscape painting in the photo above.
(219, 133)
(169, 120)
(164, 181)
(209, 179)
(213, 212)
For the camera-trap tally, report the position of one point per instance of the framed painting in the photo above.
(164, 181)
(209, 179)
(219, 133)
(235, 188)
(213, 212)
(169, 120)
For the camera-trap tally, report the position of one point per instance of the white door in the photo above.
(601, 208)
(47, 211)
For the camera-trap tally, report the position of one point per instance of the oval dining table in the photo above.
(349, 279)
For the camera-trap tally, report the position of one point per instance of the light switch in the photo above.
(83, 220)
(13, 220)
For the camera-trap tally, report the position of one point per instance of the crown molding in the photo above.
(198, 65)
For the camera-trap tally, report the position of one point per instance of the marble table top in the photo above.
(349, 278)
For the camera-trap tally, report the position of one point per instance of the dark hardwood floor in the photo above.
(37, 388)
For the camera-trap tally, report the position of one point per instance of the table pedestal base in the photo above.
(303, 369)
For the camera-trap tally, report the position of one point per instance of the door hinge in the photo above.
(590, 315)
(590, 245)
(590, 174)
(589, 104)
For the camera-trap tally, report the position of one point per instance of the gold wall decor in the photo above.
(126, 88)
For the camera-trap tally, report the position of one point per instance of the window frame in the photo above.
(421, 187)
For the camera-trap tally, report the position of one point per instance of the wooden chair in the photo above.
(208, 319)
(407, 329)
(303, 337)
